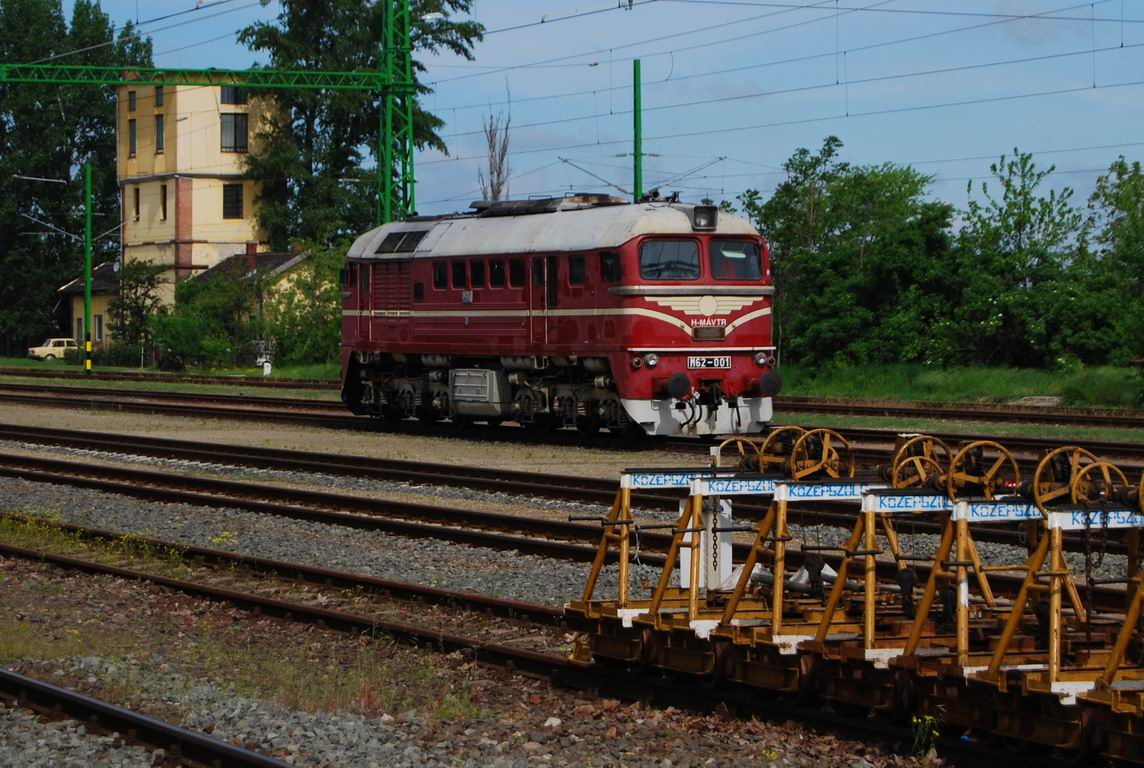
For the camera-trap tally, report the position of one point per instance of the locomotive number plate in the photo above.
(721, 361)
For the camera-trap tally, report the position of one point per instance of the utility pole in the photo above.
(87, 266)
(395, 198)
(637, 148)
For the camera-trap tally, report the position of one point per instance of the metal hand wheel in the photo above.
(1057, 472)
(968, 470)
(917, 460)
(777, 447)
(1096, 483)
(745, 455)
(821, 451)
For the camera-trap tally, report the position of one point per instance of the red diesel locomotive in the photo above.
(583, 310)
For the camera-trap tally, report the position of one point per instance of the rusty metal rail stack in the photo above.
(868, 624)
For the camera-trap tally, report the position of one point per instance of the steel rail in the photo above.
(869, 444)
(557, 669)
(180, 742)
(529, 484)
(453, 525)
(171, 378)
(328, 577)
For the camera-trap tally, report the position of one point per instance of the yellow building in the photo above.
(185, 201)
(104, 287)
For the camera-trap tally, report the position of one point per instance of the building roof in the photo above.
(244, 265)
(104, 279)
(580, 223)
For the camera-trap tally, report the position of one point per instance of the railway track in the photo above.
(984, 412)
(582, 490)
(602, 679)
(52, 701)
(870, 445)
(529, 534)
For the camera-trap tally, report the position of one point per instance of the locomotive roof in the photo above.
(569, 224)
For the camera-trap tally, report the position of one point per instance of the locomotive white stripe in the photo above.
(612, 312)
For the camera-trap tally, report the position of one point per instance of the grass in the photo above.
(236, 390)
(975, 429)
(1081, 387)
(321, 371)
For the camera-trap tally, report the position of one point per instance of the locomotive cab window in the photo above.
(735, 260)
(458, 274)
(477, 273)
(440, 275)
(516, 272)
(576, 270)
(496, 273)
(669, 260)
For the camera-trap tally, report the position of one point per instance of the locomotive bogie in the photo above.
(568, 312)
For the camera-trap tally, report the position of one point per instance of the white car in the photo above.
(52, 349)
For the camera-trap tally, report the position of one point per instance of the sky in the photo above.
(732, 87)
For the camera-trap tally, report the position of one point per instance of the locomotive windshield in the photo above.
(669, 260)
(735, 260)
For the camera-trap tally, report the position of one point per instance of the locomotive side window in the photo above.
(516, 272)
(576, 270)
(496, 273)
(459, 274)
(553, 296)
(538, 271)
(346, 277)
(735, 260)
(363, 279)
(610, 269)
(669, 260)
(440, 275)
(418, 291)
(477, 273)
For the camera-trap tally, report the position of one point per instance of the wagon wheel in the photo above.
(777, 447)
(744, 456)
(967, 470)
(821, 450)
(1096, 483)
(1050, 482)
(917, 460)
(916, 472)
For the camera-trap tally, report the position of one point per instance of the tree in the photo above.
(316, 184)
(858, 255)
(1010, 261)
(496, 129)
(211, 324)
(304, 320)
(1116, 221)
(136, 303)
(48, 132)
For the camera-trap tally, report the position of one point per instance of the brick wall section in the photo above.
(184, 227)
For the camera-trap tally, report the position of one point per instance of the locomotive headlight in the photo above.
(704, 217)
(760, 358)
(651, 359)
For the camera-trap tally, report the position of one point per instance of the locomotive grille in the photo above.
(708, 334)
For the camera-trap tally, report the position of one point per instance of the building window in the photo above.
(232, 201)
(233, 132)
(131, 101)
(135, 202)
(158, 95)
(159, 138)
(163, 202)
(131, 137)
(232, 94)
(97, 321)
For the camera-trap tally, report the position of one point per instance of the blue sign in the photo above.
(997, 511)
(733, 487)
(665, 479)
(908, 503)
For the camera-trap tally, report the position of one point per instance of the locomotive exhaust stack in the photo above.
(581, 311)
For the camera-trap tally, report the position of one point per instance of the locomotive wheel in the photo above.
(1096, 482)
(915, 472)
(1048, 489)
(963, 473)
(916, 460)
(772, 454)
(745, 454)
(821, 451)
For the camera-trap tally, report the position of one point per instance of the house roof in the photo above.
(268, 264)
(104, 279)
